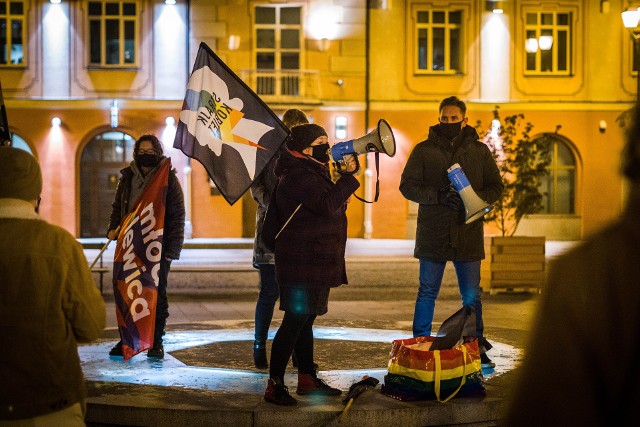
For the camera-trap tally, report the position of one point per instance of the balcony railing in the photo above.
(284, 86)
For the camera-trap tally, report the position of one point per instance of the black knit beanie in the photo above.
(302, 136)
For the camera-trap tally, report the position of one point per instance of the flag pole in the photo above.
(103, 249)
(5, 135)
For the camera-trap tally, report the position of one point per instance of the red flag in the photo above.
(136, 264)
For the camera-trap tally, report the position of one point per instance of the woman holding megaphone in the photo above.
(309, 253)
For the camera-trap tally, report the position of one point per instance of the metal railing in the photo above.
(298, 86)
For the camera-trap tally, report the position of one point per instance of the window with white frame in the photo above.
(113, 33)
(547, 43)
(438, 36)
(559, 186)
(12, 33)
(278, 48)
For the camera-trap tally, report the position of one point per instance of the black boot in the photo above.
(116, 351)
(157, 351)
(260, 355)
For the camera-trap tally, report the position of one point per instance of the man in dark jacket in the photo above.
(441, 233)
(147, 155)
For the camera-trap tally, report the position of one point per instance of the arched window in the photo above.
(559, 187)
(100, 164)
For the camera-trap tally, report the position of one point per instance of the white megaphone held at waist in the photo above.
(475, 208)
(379, 140)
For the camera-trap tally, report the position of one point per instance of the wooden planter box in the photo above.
(512, 264)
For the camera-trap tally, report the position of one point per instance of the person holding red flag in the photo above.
(147, 158)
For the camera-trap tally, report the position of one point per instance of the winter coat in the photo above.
(48, 303)
(309, 252)
(261, 191)
(581, 364)
(173, 236)
(441, 234)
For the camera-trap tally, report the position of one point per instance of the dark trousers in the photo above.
(295, 332)
(162, 306)
(267, 298)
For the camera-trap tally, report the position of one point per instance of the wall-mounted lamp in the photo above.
(114, 114)
(630, 19)
(602, 126)
(234, 42)
(56, 122)
(170, 2)
(494, 6)
(54, 1)
(341, 127)
(323, 44)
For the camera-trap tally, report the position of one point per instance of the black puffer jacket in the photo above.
(173, 236)
(441, 234)
(309, 252)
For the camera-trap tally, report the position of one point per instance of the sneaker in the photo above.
(311, 384)
(486, 362)
(157, 351)
(260, 357)
(278, 393)
(116, 351)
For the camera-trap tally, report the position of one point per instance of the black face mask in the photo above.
(321, 153)
(147, 160)
(450, 130)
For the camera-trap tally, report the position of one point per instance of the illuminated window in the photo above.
(547, 43)
(12, 33)
(278, 48)
(559, 186)
(438, 35)
(113, 33)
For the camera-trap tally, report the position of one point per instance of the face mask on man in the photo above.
(320, 153)
(147, 160)
(450, 130)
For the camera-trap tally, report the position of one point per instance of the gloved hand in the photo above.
(449, 197)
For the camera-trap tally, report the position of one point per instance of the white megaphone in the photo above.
(475, 208)
(379, 140)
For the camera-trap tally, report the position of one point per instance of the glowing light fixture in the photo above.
(169, 2)
(56, 122)
(494, 6)
(341, 127)
(54, 1)
(531, 45)
(234, 42)
(169, 133)
(630, 18)
(545, 42)
(114, 114)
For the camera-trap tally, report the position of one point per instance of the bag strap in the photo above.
(291, 217)
(436, 355)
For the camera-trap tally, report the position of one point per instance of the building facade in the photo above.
(82, 79)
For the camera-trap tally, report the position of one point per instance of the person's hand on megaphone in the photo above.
(350, 164)
(449, 197)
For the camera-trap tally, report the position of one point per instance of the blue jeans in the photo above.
(267, 298)
(431, 272)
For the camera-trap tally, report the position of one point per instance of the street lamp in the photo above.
(630, 20)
